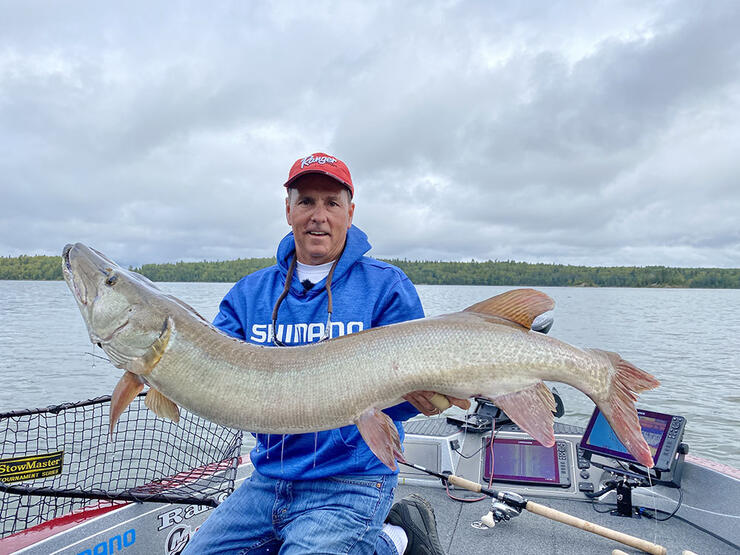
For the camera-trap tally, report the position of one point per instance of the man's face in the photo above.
(320, 214)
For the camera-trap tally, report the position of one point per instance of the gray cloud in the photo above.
(592, 134)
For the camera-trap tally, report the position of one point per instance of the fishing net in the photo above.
(60, 459)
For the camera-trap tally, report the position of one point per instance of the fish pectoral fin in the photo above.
(381, 436)
(145, 364)
(126, 390)
(161, 405)
(532, 410)
(520, 306)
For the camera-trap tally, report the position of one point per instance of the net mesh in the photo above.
(147, 459)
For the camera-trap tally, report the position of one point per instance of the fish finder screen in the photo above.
(600, 438)
(520, 460)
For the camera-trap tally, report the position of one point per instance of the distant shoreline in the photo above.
(48, 268)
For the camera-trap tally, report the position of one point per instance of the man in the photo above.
(324, 492)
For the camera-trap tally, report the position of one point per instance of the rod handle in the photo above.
(571, 520)
(463, 483)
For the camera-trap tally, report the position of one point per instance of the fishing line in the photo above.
(678, 506)
(462, 448)
(106, 359)
(268, 446)
(655, 495)
(655, 505)
(460, 451)
(680, 501)
(462, 445)
(315, 446)
(465, 435)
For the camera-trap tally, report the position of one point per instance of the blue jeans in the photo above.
(341, 514)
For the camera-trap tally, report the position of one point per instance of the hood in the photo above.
(356, 247)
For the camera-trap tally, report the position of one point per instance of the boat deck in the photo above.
(707, 522)
(531, 533)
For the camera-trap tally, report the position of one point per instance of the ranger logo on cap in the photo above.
(308, 160)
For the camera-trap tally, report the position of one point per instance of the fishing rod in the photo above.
(513, 504)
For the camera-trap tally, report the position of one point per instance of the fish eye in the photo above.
(111, 280)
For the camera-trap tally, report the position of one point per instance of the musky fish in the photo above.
(487, 350)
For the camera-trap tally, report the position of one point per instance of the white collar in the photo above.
(314, 274)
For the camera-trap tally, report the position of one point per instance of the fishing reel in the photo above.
(500, 511)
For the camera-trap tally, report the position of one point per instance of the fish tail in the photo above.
(619, 404)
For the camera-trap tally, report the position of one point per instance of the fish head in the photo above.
(124, 311)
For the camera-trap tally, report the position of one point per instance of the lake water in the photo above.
(688, 338)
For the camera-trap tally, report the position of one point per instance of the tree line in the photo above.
(421, 272)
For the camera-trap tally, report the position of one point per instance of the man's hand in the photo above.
(422, 401)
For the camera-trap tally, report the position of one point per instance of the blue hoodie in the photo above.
(366, 293)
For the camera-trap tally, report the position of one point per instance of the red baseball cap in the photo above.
(320, 162)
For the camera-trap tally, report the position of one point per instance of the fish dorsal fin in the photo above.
(520, 306)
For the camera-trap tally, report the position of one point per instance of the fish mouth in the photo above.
(66, 266)
(69, 276)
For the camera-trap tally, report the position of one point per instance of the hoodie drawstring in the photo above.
(288, 281)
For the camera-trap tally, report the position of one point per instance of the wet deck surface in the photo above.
(531, 533)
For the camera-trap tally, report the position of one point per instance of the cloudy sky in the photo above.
(596, 133)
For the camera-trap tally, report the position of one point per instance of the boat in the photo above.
(686, 503)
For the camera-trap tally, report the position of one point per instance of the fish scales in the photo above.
(455, 358)
(487, 350)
